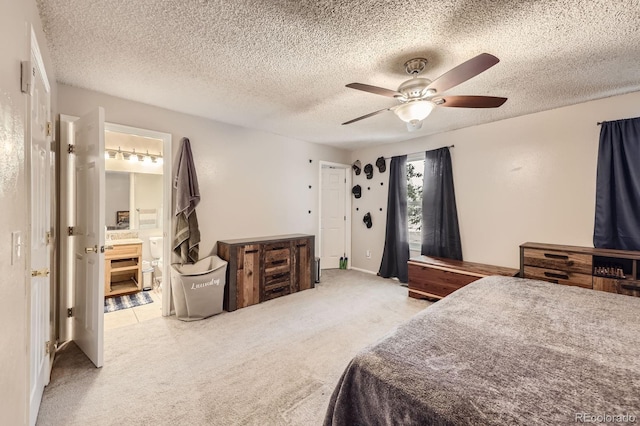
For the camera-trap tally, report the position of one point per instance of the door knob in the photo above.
(40, 273)
(93, 249)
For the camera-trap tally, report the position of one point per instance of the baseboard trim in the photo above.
(363, 270)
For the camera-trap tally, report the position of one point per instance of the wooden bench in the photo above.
(437, 277)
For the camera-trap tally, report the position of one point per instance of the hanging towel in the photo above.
(187, 235)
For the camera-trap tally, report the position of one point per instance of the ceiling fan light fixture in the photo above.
(413, 112)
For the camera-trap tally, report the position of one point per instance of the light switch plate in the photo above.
(16, 246)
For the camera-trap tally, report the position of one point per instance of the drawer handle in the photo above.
(276, 276)
(630, 286)
(250, 251)
(556, 256)
(301, 245)
(276, 248)
(277, 290)
(560, 276)
(278, 262)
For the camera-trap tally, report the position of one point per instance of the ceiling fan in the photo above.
(418, 96)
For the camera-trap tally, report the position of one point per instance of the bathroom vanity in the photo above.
(123, 267)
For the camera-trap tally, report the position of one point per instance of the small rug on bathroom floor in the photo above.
(127, 301)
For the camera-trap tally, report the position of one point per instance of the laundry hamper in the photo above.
(198, 289)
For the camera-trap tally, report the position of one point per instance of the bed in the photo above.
(500, 351)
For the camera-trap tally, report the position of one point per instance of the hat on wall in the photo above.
(367, 220)
(357, 167)
(357, 191)
(368, 169)
(381, 164)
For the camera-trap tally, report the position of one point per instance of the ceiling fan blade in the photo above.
(463, 72)
(366, 116)
(374, 89)
(470, 101)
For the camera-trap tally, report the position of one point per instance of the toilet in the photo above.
(156, 248)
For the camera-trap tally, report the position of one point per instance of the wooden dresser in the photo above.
(437, 277)
(262, 269)
(123, 269)
(615, 271)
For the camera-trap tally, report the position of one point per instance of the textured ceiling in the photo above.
(281, 66)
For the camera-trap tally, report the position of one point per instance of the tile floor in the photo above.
(125, 317)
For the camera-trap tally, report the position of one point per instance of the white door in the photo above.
(89, 234)
(40, 232)
(332, 217)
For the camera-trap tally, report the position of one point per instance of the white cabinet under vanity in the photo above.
(123, 267)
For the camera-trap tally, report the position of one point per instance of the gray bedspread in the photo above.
(500, 351)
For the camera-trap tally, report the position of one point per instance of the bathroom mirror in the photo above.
(117, 185)
(133, 200)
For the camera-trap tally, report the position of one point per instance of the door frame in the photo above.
(167, 167)
(34, 53)
(347, 205)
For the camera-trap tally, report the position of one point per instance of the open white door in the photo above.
(89, 234)
(333, 217)
(40, 344)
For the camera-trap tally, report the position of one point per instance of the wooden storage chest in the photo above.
(437, 277)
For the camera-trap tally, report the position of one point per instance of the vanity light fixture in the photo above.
(132, 156)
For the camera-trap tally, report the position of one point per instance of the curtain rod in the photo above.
(421, 152)
(600, 122)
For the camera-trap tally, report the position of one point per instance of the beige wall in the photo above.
(15, 21)
(252, 183)
(529, 178)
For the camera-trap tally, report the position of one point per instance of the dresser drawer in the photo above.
(277, 259)
(559, 276)
(276, 286)
(558, 260)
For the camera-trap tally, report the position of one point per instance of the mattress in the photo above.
(501, 350)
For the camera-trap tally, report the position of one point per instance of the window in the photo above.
(415, 171)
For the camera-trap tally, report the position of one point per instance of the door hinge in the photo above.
(48, 237)
(40, 273)
(49, 128)
(26, 79)
(70, 231)
(71, 149)
(69, 312)
(49, 347)
(345, 218)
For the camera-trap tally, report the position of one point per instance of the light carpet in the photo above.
(275, 363)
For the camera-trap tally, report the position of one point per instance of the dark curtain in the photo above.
(396, 245)
(617, 222)
(440, 232)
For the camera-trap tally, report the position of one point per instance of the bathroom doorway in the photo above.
(137, 220)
